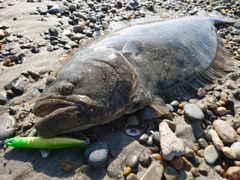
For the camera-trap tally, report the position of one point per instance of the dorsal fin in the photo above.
(221, 64)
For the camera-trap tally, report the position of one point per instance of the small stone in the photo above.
(35, 50)
(143, 138)
(170, 173)
(200, 153)
(211, 154)
(155, 171)
(171, 146)
(216, 140)
(177, 162)
(193, 112)
(201, 93)
(222, 101)
(233, 173)
(77, 37)
(132, 162)
(97, 154)
(67, 166)
(203, 143)
(67, 32)
(54, 9)
(229, 153)
(187, 165)
(188, 152)
(158, 157)
(127, 171)
(78, 28)
(225, 131)
(132, 121)
(145, 159)
(220, 111)
(7, 126)
(235, 148)
(53, 32)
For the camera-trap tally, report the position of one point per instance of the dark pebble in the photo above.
(203, 143)
(53, 32)
(229, 105)
(21, 58)
(19, 35)
(54, 42)
(67, 46)
(17, 89)
(54, 9)
(156, 138)
(78, 28)
(97, 154)
(14, 59)
(35, 50)
(145, 159)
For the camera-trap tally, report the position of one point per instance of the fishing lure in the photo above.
(44, 143)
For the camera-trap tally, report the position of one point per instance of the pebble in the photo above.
(78, 28)
(228, 152)
(225, 131)
(203, 143)
(143, 138)
(127, 171)
(132, 162)
(201, 93)
(193, 112)
(132, 176)
(233, 173)
(220, 111)
(236, 149)
(177, 162)
(188, 152)
(54, 9)
(7, 125)
(53, 32)
(145, 159)
(170, 145)
(170, 173)
(211, 154)
(155, 171)
(216, 140)
(132, 121)
(97, 154)
(187, 165)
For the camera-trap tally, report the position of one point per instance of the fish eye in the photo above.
(67, 88)
(50, 80)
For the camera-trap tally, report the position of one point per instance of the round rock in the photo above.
(211, 154)
(233, 173)
(225, 131)
(193, 112)
(236, 149)
(7, 124)
(97, 154)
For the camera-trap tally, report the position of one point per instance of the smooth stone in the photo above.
(220, 111)
(7, 126)
(78, 28)
(189, 152)
(233, 173)
(193, 112)
(156, 138)
(132, 121)
(53, 32)
(143, 138)
(211, 154)
(236, 149)
(229, 153)
(203, 143)
(170, 173)
(170, 145)
(187, 165)
(77, 37)
(67, 32)
(216, 140)
(174, 103)
(132, 162)
(145, 159)
(97, 154)
(225, 131)
(177, 162)
(54, 10)
(201, 93)
(155, 171)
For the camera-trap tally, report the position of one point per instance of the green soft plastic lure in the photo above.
(44, 143)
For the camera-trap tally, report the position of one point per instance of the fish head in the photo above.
(93, 88)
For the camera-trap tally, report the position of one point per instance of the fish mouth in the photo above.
(47, 106)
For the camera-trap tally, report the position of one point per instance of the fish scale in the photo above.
(135, 67)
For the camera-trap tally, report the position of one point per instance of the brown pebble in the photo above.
(1, 46)
(200, 153)
(18, 102)
(233, 173)
(127, 171)
(237, 163)
(187, 165)
(229, 153)
(238, 131)
(222, 101)
(158, 157)
(67, 166)
(177, 162)
(7, 62)
(181, 105)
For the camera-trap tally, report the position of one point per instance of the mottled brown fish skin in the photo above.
(133, 68)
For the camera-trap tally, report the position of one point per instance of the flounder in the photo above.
(138, 66)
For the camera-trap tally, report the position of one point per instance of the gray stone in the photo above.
(203, 143)
(171, 146)
(7, 125)
(97, 154)
(211, 154)
(170, 173)
(54, 10)
(193, 112)
(225, 131)
(155, 171)
(236, 149)
(145, 159)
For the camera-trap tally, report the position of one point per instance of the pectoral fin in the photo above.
(159, 106)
